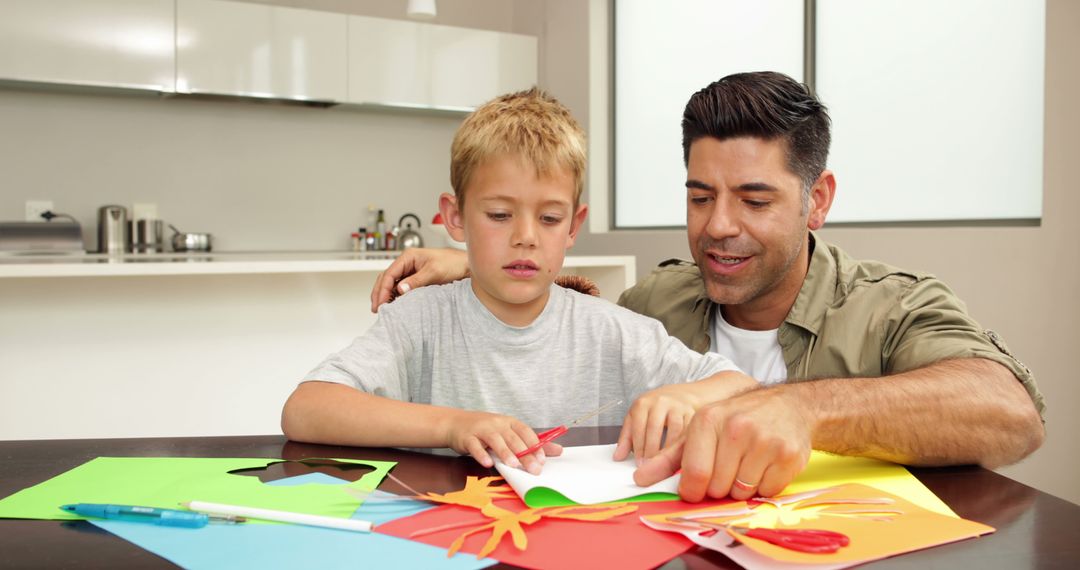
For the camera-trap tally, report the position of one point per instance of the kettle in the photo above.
(408, 237)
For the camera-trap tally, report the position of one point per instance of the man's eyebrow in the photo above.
(758, 187)
(747, 187)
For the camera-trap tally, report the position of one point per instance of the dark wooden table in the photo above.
(1034, 529)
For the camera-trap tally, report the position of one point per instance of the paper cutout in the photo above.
(878, 524)
(479, 494)
(587, 475)
(270, 547)
(167, 481)
(620, 542)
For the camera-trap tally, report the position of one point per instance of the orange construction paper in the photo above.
(890, 527)
(619, 542)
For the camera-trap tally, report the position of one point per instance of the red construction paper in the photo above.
(620, 542)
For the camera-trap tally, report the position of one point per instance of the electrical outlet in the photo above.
(34, 209)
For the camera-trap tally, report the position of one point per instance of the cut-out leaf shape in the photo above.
(477, 493)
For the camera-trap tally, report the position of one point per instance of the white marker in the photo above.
(280, 516)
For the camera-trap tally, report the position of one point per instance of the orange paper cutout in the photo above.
(568, 544)
(479, 494)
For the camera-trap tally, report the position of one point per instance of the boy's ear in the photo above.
(451, 216)
(575, 224)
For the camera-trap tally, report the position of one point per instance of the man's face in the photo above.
(517, 228)
(747, 227)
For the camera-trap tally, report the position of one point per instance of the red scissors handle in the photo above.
(801, 540)
(545, 436)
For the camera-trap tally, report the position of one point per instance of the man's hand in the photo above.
(417, 267)
(753, 444)
(643, 427)
(477, 433)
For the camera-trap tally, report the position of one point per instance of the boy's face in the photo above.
(517, 228)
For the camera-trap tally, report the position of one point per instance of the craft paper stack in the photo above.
(165, 482)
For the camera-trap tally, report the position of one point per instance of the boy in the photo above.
(472, 364)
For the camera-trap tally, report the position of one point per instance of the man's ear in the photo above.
(820, 200)
(452, 217)
(575, 224)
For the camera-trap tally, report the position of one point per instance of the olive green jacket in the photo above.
(851, 319)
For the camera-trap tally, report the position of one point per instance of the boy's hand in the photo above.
(482, 434)
(668, 406)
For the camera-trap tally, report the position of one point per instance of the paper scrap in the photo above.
(585, 475)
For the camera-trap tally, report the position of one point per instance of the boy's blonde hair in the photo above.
(528, 124)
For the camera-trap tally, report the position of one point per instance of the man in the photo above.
(854, 357)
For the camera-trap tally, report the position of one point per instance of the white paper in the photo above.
(586, 475)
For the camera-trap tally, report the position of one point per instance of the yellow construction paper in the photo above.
(828, 470)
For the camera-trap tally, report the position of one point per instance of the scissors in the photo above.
(553, 433)
(801, 540)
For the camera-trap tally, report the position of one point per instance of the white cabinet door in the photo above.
(234, 48)
(469, 67)
(410, 64)
(116, 43)
(388, 62)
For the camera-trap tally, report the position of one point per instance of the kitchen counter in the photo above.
(100, 264)
(184, 344)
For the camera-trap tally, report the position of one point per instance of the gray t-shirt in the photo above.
(440, 345)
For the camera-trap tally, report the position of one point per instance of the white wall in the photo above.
(257, 176)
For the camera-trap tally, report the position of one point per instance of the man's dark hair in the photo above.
(767, 105)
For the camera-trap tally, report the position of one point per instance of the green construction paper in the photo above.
(548, 497)
(165, 482)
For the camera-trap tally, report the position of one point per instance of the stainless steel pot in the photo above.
(184, 241)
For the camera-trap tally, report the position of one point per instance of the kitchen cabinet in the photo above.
(256, 50)
(111, 43)
(411, 64)
(233, 48)
(184, 345)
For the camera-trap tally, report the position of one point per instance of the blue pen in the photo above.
(152, 515)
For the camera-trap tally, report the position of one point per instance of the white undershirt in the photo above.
(757, 353)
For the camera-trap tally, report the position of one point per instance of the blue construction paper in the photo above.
(289, 546)
(316, 477)
(284, 546)
(378, 508)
